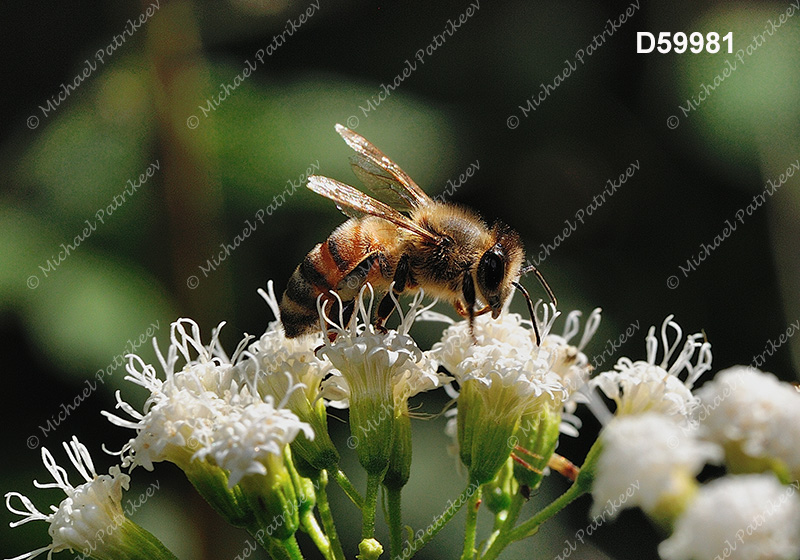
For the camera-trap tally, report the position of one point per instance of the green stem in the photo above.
(395, 521)
(506, 522)
(272, 546)
(327, 516)
(309, 524)
(292, 548)
(531, 526)
(370, 506)
(582, 485)
(344, 482)
(513, 511)
(471, 526)
(439, 522)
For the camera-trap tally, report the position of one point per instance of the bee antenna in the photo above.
(542, 281)
(522, 289)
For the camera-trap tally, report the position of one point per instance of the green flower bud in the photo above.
(497, 493)
(535, 440)
(369, 549)
(400, 459)
(273, 499)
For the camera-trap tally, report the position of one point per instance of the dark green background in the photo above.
(613, 110)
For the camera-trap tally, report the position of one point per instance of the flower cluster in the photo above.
(661, 435)
(90, 519)
(513, 392)
(250, 431)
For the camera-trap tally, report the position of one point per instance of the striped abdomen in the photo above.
(358, 251)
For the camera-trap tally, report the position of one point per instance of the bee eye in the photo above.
(493, 270)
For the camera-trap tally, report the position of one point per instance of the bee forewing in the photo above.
(356, 204)
(382, 184)
(394, 178)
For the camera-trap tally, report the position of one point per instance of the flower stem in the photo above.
(370, 505)
(292, 548)
(344, 482)
(531, 526)
(513, 511)
(582, 485)
(471, 526)
(309, 524)
(507, 522)
(395, 521)
(439, 522)
(327, 517)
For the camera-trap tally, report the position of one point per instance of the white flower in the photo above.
(569, 360)
(571, 364)
(754, 412)
(89, 509)
(509, 330)
(180, 413)
(649, 385)
(287, 370)
(502, 375)
(376, 373)
(372, 363)
(748, 517)
(503, 359)
(651, 453)
(207, 371)
(171, 430)
(242, 439)
(278, 364)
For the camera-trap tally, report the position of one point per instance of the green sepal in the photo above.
(272, 499)
(211, 482)
(537, 438)
(400, 460)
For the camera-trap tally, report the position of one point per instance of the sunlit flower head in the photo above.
(179, 414)
(501, 357)
(658, 456)
(389, 361)
(90, 509)
(376, 373)
(502, 375)
(755, 417)
(242, 440)
(509, 330)
(746, 517)
(270, 358)
(653, 385)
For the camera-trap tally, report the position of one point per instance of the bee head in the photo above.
(499, 267)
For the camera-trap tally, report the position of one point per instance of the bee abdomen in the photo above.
(298, 305)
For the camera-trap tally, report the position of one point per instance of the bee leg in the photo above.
(461, 309)
(468, 291)
(483, 311)
(387, 305)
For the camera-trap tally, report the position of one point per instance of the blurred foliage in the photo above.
(132, 271)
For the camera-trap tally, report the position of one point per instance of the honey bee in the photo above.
(445, 249)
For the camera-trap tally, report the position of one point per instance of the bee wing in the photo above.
(381, 175)
(355, 204)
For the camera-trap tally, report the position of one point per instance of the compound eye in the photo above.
(494, 270)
